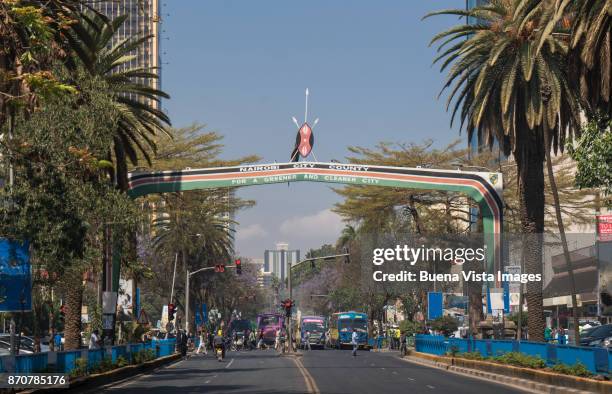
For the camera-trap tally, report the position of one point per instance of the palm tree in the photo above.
(140, 122)
(510, 84)
(590, 43)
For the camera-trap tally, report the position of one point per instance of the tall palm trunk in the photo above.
(73, 296)
(474, 289)
(531, 194)
(566, 253)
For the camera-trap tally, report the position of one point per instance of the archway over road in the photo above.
(485, 188)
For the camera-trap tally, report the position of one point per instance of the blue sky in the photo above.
(241, 67)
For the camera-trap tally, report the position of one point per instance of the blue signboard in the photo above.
(201, 315)
(434, 305)
(15, 276)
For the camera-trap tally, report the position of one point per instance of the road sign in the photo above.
(434, 305)
(604, 228)
(15, 276)
(143, 318)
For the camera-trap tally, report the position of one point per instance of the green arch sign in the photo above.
(483, 187)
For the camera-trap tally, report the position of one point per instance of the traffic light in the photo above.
(347, 258)
(238, 266)
(171, 312)
(220, 268)
(287, 305)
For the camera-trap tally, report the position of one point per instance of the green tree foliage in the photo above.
(140, 121)
(61, 198)
(509, 81)
(32, 37)
(195, 227)
(593, 156)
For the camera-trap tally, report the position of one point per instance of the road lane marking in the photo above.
(230, 363)
(208, 381)
(411, 379)
(431, 387)
(311, 385)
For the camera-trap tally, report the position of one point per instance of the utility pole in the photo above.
(188, 276)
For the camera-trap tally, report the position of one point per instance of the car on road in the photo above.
(27, 344)
(599, 336)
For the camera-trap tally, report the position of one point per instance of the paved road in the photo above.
(333, 371)
(337, 371)
(240, 372)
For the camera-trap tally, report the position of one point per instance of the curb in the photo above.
(91, 381)
(527, 379)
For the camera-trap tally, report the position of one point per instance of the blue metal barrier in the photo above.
(29, 363)
(482, 346)
(66, 360)
(95, 357)
(502, 346)
(596, 360)
(135, 348)
(165, 347)
(590, 357)
(459, 345)
(431, 344)
(119, 351)
(534, 349)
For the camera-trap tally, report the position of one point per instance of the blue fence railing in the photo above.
(165, 347)
(66, 361)
(596, 360)
(94, 358)
(31, 363)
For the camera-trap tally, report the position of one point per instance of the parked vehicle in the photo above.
(597, 336)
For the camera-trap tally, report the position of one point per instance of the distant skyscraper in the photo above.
(277, 262)
(143, 20)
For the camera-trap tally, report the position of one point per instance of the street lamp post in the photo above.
(188, 275)
(289, 334)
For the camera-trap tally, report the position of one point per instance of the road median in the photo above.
(526, 378)
(90, 382)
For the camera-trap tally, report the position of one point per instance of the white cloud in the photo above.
(252, 231)
(324, 224)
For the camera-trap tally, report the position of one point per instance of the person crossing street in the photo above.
(202, 344)
(354, 341)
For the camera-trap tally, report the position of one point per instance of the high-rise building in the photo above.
(277, 262)
(144, 20)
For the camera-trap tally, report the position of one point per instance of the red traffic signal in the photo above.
(220, 268)
(171, 312)
(287, 305)
(238, 266)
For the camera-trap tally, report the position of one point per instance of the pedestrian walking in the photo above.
(252, 340)
(307, 341)
(328, 338)
(202, 344)
(260, 341)
(354, 342)
(57, 340)
(94, 341)
(277, 339)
